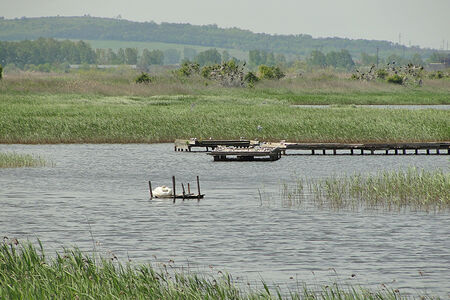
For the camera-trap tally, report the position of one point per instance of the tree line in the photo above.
(91, 28)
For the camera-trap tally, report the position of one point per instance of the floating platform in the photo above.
(188, 145)
(174, 195)
(246, 154)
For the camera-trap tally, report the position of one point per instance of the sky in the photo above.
(410, 22)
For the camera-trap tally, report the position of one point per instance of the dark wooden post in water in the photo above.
(150, 188)
(173, 186)
(189, 188)
(198, 188)
(184, 193)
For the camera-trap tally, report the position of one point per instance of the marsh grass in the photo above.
(28, 273)
(68, 118)
(414, 189)
(16, 160)
(315, 88)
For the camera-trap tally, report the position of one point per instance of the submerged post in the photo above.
(150, 188)
(173, 188)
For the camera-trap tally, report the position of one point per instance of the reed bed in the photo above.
(68, 118)
(16, 160)
(27, 273)
(414, 189)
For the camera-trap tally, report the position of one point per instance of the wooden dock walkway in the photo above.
(248, 150)
(188, 145)
(431, 148)
(246, 154)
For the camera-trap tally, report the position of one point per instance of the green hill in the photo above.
(98, 29)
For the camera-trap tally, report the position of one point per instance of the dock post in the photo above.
(417, 151)
(324, 152)
(312, 152)
(184, 193)
(372, 151)
(428, 151)
(437, 151)
(386, 151)
(198, 188)
(150, 188)
(396, 151)
(173, 188)
(351, 151)
(189, 188)
(404, 151)
(334, 151)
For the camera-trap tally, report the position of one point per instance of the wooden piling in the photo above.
(189, 188)
(184, 193)
(150, 188)
(173, 189)
(198, 187)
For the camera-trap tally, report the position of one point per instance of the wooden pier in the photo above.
(188, 145)
(246, 154)
(432, 148)
(248, 150)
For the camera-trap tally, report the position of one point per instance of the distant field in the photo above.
(243, 55)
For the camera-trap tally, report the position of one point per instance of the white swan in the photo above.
(162, 191)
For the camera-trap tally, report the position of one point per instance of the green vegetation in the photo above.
(97, 107)
(211, 36)
(1, 72)
(15, 160)
(143, 78)
(266, 72)
(412, 189)
(28, 273)
(397, 79)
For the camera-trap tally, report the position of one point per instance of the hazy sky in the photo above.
(420, 22)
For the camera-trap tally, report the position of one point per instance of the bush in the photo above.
(251, 78)
(397, 79)
(437, 75)
(228, 73)
(382, 73)
(143, 78)
(188, 68)
(1, 72)
(266, 72)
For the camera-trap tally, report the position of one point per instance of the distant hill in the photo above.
(93, 28)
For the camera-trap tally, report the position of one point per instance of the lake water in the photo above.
(229, 230)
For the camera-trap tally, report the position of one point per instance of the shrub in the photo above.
(266, 72)
(227, 73)
(143, 78)
(251, 78)
(437, 75)
(188, 68)
(382, 73)
(397, 79)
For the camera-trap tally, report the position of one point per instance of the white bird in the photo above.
(259, 127)
(162, 191)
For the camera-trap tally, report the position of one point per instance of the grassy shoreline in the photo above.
(28, 273)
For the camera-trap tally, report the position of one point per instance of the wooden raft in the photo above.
(175, 196)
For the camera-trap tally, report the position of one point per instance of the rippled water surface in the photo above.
(229, 230)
